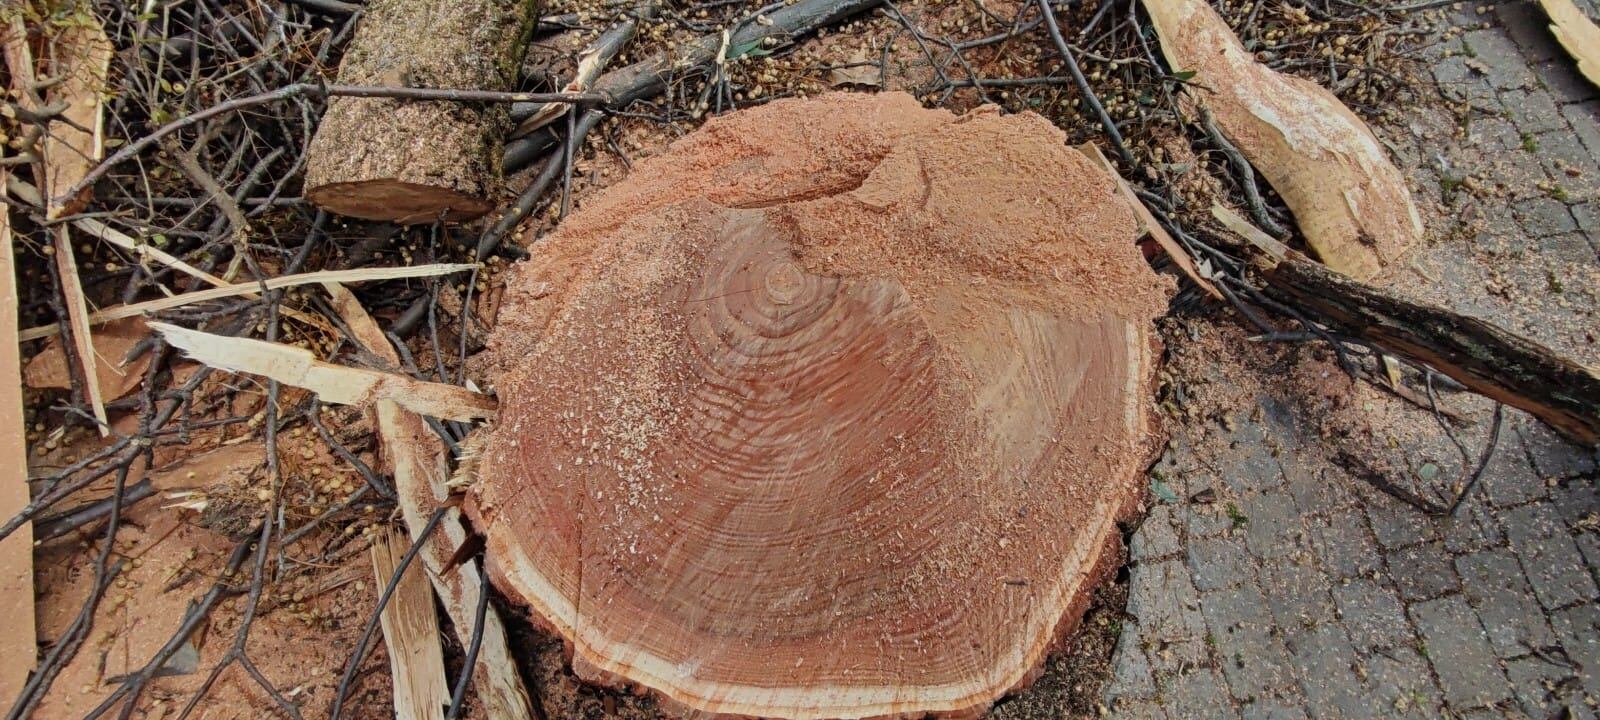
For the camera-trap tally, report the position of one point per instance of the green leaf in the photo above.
(1184, 75)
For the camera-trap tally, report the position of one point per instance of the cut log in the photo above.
(415, 161)
(1577, 34)
(830, 411)
(1350, 201)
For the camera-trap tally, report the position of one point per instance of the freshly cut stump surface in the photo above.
(828, 411)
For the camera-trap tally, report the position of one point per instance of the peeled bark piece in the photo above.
(829, 411)
(1350, 201)
(410, 161)
(1577, 34)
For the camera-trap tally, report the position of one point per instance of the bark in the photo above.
(413, 161)
(1485, 357)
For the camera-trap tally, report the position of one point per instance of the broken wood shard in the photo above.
(18, 648)
(1577, 34)
(417, 161)
(1348, 198)
(410, 633)
(416, 458)
(837, 419)
(332, 383)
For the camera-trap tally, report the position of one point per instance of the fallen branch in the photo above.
(1482, 356)
(282, 281)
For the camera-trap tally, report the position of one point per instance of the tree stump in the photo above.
(411, 161)
(829, 411)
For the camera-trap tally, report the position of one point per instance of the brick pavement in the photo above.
(1280, 585)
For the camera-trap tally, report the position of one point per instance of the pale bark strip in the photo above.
(1578, 34)
(1350, 201)
(332, 383)
(241, 289)
(410, 633)
(18, 642)
(416, 459)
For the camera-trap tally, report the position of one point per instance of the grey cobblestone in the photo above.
(1512, 618)
(1304, 592)
(1554, 566)
(1460, 653)
(1423, 571)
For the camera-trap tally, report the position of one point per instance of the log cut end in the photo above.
(393, 200)
(837, 420)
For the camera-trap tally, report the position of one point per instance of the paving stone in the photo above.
(1588, 217)
(1553, 564)
(1532, 111)
(1423, 571)
(1297, 594)
(1528, 27)
(1249, 465)
(1272, 710)
(1396, 524)
(1579, 630)
(1372, 616)
(1130, 677)
(1219, 562)
(1553, 456)
(1253, 659)
(1326, 663)
(1561, 77)
(1317, 489)
(1473, 527)
(1459, 652)
(1156, 537)
(1198, 695)
(1402, 683)
(1163, 599)
(1274, 528)
(1500, 58)
(1512, 619)
(1541, 687)
(1563, 150)
(1492, 134)
(1345, 545)
(1203, 520)
(1584, 119)
(1143, 709)
(1510, 479)
(1542, 216)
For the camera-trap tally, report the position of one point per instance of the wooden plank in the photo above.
(410, 632)
(18, 643)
